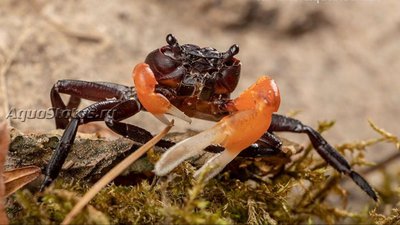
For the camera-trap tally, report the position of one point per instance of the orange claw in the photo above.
(155, 103)
(247, 123)
(255, 107)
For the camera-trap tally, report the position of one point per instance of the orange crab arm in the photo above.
(155, 103)
(249, 120)
(253, 118)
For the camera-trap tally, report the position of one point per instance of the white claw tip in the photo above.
(164, 119)
(178, 113)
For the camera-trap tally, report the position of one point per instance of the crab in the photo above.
(187, 81)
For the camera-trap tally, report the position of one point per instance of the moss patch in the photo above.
(301, 193)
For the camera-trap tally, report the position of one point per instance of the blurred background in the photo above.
(333, 60)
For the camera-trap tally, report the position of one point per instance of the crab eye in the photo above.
(171, 40)
(233, 50)
(229, 59)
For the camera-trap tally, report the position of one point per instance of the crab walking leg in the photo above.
(249, 121)
(324, 149)
(155, 103)
(94, 91)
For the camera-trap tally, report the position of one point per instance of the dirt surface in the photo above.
(333, 60)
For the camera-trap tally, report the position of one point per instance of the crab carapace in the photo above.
(188, 81)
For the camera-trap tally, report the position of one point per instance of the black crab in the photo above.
(185, 81)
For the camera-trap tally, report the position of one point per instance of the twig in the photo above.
(112, 174)
(384, 163)
(7, 65)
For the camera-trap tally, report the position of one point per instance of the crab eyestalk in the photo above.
(153, 102)
(232, 51)
(173, 42)
(250, 119)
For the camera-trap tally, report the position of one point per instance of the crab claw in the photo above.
(155, 103)
(247, 123)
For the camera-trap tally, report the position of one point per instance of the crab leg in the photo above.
(155, 103)
(324, 149)
(249, 120)
(86, 115)
(94, 91)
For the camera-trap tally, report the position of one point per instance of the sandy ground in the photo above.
(333, 60)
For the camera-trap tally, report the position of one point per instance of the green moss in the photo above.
(51, 207)
(296, 195)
